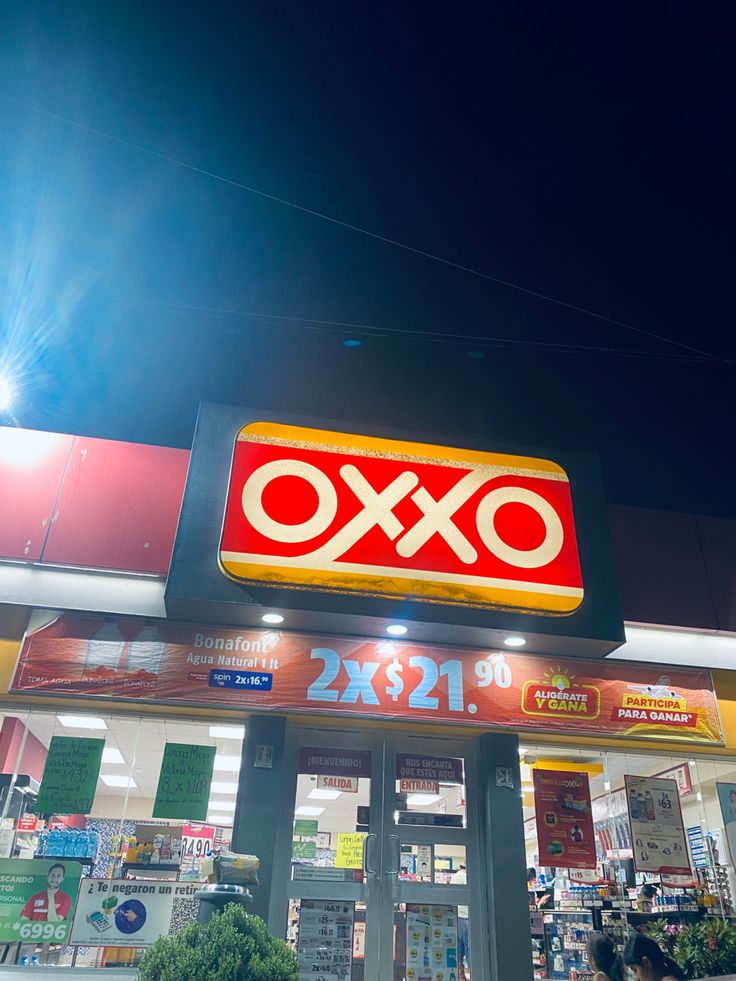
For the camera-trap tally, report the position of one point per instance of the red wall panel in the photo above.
(31, 468)
(118, 507)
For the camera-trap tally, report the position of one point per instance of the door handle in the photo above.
(398, 855)
(366, 870)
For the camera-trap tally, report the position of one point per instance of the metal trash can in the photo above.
(215, 897)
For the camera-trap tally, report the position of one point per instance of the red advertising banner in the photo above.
(564, 819)
(269, 669)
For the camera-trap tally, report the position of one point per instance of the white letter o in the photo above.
(252, 500)
(522, 558)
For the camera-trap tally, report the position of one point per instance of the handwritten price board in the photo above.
(70, 775)
(184, 782)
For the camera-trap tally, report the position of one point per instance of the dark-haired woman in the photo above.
(648, 962)
(604, 959)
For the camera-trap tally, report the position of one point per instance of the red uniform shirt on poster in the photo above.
(37, 907)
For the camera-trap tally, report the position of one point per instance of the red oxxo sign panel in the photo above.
(313, 509)
(272, 670)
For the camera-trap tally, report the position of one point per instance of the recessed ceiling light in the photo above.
(223, 787)
(81, 722)
(514, 641)
(320, 793)
(352, 342)
(225, 819)
(112, 780)
(309, 811)
(396, 629)
(229, 763)
(227, 732)
(422, 800)
(111, 754)
(272, 618)
(222, 805)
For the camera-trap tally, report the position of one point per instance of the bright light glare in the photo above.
(514, 641)
(396, 629)
(227, 732)
(111, 754)
(223, 787)
(112, 780)
(422, 800)
(222, 805)
(311, 812)
(229, 763)
(272, 618)
(222, 819)
(320, 793)
(81, 722)
(6, 393)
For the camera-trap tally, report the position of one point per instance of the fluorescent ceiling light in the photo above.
(113, 780)
(320, 793)
(111, 754)
(223, 805)
(227, 732)
(308, 811)
(421, 800)
(223, 787)
(272, 618)
(81, 722)
(226, 819)
(229, 763)
(514, 641)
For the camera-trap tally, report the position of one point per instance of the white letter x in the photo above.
(438, 518)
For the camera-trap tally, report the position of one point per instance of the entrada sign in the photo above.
(332, 511)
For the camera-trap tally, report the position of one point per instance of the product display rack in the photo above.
(566, 935)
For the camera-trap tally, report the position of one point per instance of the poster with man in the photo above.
(37, 899)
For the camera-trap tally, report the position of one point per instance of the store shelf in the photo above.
(67, 858)
(149, 867)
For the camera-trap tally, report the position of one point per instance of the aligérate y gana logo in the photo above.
(558, 694)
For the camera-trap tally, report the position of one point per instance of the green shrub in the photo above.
(705, 949)
(233, 946)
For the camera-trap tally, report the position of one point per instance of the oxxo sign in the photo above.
(334, 511)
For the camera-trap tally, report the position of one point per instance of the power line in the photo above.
(401, 333)
(584, 311)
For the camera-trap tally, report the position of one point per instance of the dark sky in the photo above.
(581, 152)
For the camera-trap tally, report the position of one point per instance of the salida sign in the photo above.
(340, 512)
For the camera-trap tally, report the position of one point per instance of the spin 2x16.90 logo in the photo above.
(332, 511)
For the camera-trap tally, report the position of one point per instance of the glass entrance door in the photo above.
(383, 878)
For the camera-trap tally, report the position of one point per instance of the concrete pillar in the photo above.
(505, 858)
(259, 794)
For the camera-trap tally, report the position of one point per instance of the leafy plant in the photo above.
(706, 949)
(233, 946)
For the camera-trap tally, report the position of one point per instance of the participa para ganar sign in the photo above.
(37, 899)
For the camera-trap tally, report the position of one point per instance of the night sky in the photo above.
(579, 151)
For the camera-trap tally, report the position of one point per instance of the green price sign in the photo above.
(184, 782)
(70, 776)
(306, 829)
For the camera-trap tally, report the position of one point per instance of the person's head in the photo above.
(733, 796)
(604, 957)
(531, 875)
(647, 960)
(648, 890)
(55, 875)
